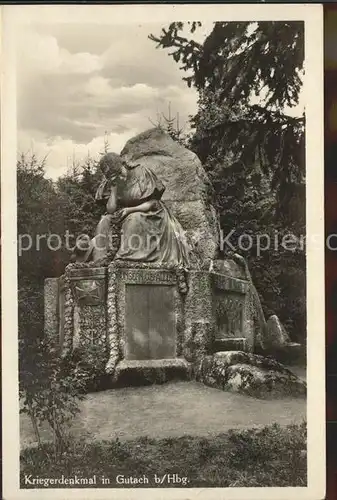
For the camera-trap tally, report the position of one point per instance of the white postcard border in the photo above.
(12, 17)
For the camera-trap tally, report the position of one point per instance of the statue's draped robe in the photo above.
(153, 236)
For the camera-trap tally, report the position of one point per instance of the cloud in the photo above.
(80, 109)
(61, 154)
(41, 54)
(99, 88)
(120, 127)
(75, 82)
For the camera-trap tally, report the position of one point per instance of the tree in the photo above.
(50, 386)
(248, 77)
(171, 125)
(76, 193)
(238, 63)
(36, 205)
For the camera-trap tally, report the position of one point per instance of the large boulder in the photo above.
(250, 374)
(187, 186)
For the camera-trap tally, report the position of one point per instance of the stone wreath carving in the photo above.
(112, 326)
(68, 315)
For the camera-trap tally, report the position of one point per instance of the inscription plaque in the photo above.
(150, 322)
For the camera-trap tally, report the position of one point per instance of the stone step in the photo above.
(229, 344)
(151, 371)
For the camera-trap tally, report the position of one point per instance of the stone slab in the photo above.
(229, 309)
(153, 371)
(89, 292)
(150, 327)
(89, 285)
(232, 344)
(153, 363)
(87, 272)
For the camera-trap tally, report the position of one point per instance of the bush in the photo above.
(49, 391)
(88, 367)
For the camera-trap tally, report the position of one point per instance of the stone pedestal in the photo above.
(147, 313)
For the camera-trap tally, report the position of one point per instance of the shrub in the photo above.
(49, 392)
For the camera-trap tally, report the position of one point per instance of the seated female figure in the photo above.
(148, 231)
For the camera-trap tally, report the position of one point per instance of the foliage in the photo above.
(50, 386)
(263, 446)
(259, 50)
(36, 206)
(76, 198)
(90, 367)
(171, 125)
(248, 77)
(270, 456)
(49, 389)
(46, 209)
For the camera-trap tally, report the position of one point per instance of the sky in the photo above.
(81, 84)
(78, 83)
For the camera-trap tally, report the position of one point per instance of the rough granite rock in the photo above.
(249, 374)
(276, 337)
(187, 186)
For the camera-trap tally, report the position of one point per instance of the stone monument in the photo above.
(170, 301)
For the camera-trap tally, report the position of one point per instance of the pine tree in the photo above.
(248, 77)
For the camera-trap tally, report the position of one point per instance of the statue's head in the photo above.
(113, 167)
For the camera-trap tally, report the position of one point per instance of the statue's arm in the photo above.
(143, 207)
(111, 205)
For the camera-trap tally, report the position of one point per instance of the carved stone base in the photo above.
(142, 314)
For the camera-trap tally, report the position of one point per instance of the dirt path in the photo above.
(170, 410)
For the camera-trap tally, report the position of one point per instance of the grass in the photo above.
(268, 456)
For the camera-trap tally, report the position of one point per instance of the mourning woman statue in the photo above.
(148, 231)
